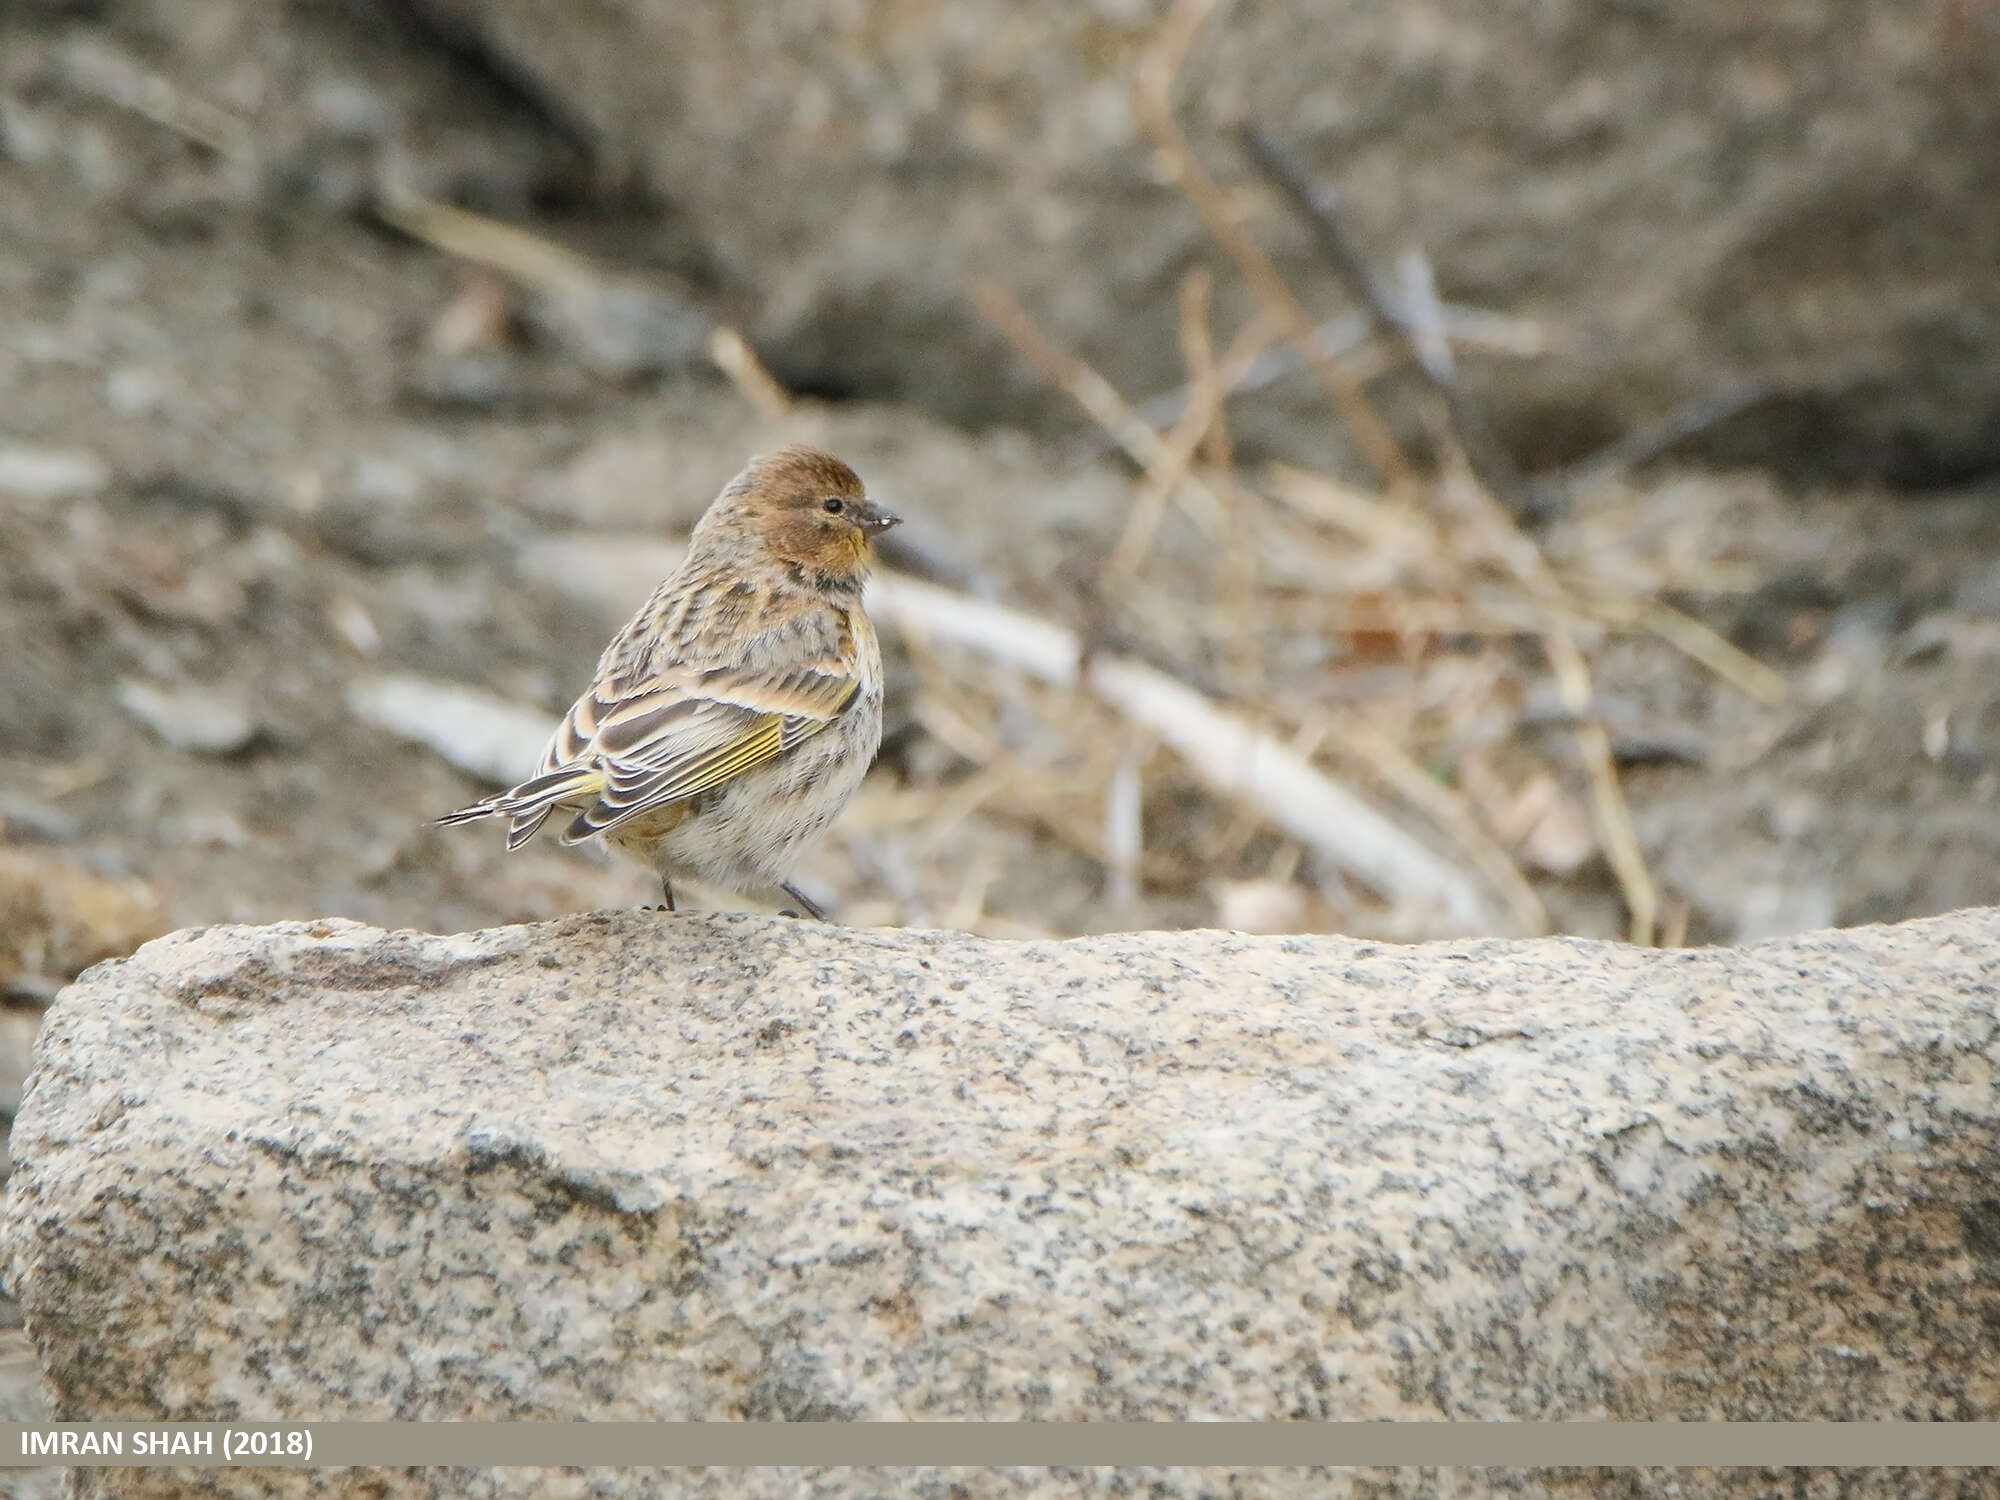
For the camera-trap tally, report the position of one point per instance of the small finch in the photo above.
(732, 718)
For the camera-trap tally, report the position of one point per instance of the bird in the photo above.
(736, 713)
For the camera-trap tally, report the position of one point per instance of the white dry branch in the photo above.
(480, 733)
(1233, 756)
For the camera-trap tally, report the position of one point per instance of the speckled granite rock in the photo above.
(629, 1166)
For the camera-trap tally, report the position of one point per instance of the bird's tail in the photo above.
(528, 805)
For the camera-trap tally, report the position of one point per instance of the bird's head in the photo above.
(803, 508)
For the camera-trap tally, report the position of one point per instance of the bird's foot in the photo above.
(811, 909)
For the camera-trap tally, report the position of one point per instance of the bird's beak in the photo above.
(875, 520)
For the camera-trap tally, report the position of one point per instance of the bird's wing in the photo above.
(650, 734)
(675, 738)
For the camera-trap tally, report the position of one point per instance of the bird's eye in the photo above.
(835, 505)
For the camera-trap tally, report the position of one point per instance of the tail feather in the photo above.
(613, 810)
(524, 825)
(529, 804)
(470, 814)
(597, 816)
(548, 788)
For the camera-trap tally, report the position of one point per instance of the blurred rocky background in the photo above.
(361, 359)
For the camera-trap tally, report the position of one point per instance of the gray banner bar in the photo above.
(1235, 1444)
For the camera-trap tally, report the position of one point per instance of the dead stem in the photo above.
(1394, 769)
(1415, 315)
(526, 257)
(1152, 104)
(1696, 641)
(1098, 398)
(1353, 342)
(736, 359)
(1493, 523)
(1236, 759)
(1172, 457)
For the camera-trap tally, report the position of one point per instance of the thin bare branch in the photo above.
(1164, 476)
(1698, 642)
(1097, 397)
(736, 359)
(1234, 757)
(1448, 811)
(1396, 314)
(1647, 443)
(540, 263)
(1152, 101)
(1350, 340)
(120, 80)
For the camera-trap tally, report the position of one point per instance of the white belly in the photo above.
(751, 831)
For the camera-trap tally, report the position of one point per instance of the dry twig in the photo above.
(1427, 341)
(121, 81)
(617, 324)
(1524, 559)
(1172, 457)
(1419, 319)
(1098, 398)
(736, 359)
(1448, 811)
(1698, 642)
(1351, 341)
(1416, 314)
(1152, 101)
(1648, 443)
(1235, 758)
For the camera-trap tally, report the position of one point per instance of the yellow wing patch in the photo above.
(668, 748)
(629, 748)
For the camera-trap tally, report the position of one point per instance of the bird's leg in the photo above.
(666, 890)
(810, 909)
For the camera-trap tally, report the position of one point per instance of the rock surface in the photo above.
(625, 1166)
(1698, 192)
